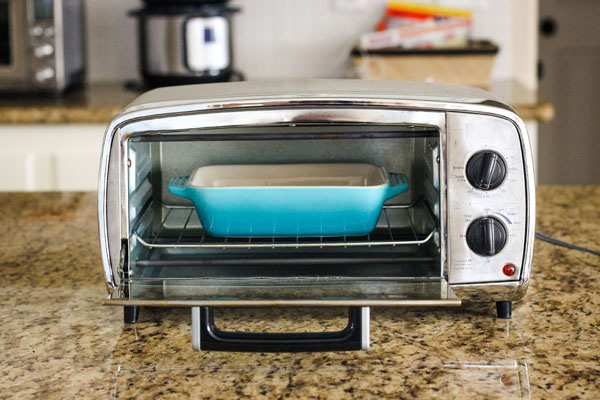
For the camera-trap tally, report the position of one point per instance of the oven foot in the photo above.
(504, 309)
(131, 314)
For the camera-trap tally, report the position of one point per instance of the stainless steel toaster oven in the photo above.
(41, 45)
(462, 231)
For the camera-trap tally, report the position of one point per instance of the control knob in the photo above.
(486, 236)
(36, 31)
(486, 170)
(44, 50)
(44, 75)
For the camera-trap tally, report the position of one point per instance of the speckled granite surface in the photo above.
(95, 104)
(58, 341)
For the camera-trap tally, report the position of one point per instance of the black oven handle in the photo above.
(206, 336)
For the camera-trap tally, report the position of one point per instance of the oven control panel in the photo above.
(486, 196)
(42, 39)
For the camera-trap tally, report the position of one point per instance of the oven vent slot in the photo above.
(179, 228)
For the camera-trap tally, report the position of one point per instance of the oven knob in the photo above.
(44, 75)
(486, 236)
(486, 170)
(49, 32)
(36, 31)
(43, 51)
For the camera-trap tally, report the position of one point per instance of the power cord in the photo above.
(557, 242)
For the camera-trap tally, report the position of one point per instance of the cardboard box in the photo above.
(471, 65)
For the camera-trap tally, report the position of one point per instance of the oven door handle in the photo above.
(206, 336)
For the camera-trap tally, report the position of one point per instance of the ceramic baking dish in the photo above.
(289, 199)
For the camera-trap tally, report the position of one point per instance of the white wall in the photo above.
(111, 40)
(311, 38)
(524, 16)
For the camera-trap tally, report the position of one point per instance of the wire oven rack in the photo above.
(190, 233)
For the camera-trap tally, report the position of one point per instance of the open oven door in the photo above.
(357, 294)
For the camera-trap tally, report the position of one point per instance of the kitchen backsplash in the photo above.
(292, 38)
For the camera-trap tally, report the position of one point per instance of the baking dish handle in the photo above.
(178, 186)
(206, 336)
(398, 185)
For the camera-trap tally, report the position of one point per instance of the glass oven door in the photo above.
(14, 50)
(5, 36)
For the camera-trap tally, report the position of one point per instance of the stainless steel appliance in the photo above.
(463, 230)
(185, 41)
(41, 45)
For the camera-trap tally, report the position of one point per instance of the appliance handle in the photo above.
(178, 186)
(398, 185)
(206, 336)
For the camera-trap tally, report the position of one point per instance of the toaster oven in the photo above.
(41, 45)
(462, 230)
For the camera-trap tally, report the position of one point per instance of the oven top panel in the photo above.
(282, 92)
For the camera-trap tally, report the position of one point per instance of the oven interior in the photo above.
(171, 257)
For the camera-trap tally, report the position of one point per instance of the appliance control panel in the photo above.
(487, 201)
(42, 39)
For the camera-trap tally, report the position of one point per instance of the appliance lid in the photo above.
(353, 90)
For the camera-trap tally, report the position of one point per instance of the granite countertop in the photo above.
(94, 104)
(58, 341)
(99, 103)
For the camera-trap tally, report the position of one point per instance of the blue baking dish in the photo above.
(289, 200)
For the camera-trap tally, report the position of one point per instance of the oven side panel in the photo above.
(109, 211)
(511, 203)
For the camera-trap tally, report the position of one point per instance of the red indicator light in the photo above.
(509, 269)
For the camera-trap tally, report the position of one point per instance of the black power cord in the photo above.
(557, 242)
